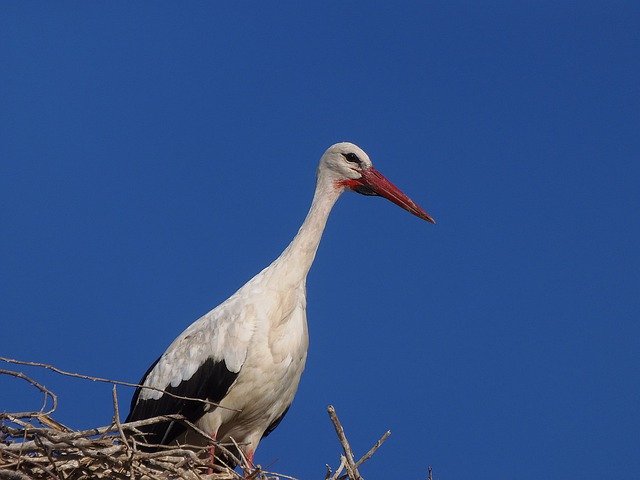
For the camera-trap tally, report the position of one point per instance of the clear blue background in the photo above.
(156, 155)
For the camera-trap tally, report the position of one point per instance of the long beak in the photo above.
(373, 182)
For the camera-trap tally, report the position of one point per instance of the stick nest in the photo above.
(33, 446)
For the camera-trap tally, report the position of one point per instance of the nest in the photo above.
(33, 446)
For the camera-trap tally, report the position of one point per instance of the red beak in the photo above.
(373, 182)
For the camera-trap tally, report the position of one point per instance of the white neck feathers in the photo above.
(297, 258)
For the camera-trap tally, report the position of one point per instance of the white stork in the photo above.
(249, 352)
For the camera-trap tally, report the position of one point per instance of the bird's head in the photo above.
(351, 168)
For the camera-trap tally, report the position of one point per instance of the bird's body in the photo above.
(248, 353)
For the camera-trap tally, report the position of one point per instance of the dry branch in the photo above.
(106, 380)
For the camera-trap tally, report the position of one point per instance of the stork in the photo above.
(248, 353)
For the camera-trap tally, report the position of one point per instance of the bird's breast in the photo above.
(269, 378)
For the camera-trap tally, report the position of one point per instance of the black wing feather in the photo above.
(210, 382)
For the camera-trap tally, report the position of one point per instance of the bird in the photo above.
(244, 359)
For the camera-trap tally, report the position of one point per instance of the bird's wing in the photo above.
(202, 363)
(275, 423)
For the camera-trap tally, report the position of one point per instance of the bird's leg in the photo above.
(250, 466)
(212, 451)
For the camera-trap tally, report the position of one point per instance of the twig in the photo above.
(83, 433)
(350, 465)
(9, 475)
(328, 472)
(43, 467)
(52, 462)
(343, 462)
(279, 475)
(116, 417)
(24, 437)
(47, 393)
(107, 380)
(375, 447)
(245, 463)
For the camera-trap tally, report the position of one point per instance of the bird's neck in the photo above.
(298, 257)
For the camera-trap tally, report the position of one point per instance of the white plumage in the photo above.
(248, 353)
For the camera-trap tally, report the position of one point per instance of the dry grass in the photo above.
(34, 446)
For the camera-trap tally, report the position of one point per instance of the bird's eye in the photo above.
(352, 157)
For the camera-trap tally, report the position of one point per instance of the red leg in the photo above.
(212, 458)
(249, 456)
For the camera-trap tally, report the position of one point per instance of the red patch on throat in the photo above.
(349, 183)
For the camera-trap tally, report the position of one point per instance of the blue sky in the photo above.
(154, 156)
